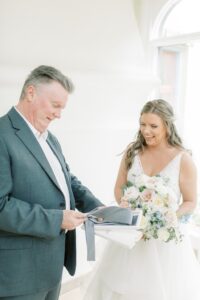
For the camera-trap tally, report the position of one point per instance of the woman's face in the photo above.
(153, 129)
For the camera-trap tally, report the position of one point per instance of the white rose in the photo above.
(171, 218)
(131, 192)
(141, 180)
(162, 190)
(151, 183)
(163, 234)
(158, 202)
(143, 222)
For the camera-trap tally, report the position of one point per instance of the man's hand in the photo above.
(72, 219)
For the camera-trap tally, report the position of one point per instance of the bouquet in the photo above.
(158, 204)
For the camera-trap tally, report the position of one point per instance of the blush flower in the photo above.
(147, 195)
(158, 204)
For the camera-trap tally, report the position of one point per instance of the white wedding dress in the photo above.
(151, 270)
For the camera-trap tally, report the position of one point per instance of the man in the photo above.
(38, 194)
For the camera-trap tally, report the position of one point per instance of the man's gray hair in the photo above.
(46, 74)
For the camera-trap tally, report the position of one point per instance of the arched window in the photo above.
(176, 40)
(183, 19)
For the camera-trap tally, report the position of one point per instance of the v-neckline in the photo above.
(165, 167)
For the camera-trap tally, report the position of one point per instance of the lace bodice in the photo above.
(170, 172)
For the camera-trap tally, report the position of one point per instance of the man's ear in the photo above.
(30, 92)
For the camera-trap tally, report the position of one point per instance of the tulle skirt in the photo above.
(152, 270)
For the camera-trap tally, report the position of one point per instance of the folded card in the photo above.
(109, 217)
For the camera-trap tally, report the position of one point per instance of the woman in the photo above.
(153, 269)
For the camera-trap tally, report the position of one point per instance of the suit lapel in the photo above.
(28, 139)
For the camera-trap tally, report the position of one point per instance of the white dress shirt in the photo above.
(52, 160)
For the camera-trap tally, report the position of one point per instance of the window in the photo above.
(170, 66)
(183, 19)
(176, 41)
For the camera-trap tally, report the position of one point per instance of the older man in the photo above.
(38, 194)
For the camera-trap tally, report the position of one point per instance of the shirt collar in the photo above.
(36, 133)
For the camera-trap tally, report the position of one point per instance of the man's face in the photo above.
(46, 104)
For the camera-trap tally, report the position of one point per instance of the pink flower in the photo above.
(147, 195)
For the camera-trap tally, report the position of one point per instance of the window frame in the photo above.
(180, 44)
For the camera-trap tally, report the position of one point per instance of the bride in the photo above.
(152, 269)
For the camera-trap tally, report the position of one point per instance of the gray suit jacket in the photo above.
(33, 248)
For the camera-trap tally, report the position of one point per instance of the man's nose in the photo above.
(57, 114)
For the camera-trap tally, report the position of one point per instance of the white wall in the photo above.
(146, 13)
(100, 120)
(98, 45)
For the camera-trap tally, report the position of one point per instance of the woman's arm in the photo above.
(188, 185)
(121, 180)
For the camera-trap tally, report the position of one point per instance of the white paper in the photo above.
(126, 236)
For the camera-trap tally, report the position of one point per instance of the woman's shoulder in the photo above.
(184, 154)
(187, 162)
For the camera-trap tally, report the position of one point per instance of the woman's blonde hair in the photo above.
(165, 111)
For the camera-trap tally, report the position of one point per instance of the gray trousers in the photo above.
(52, 294)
